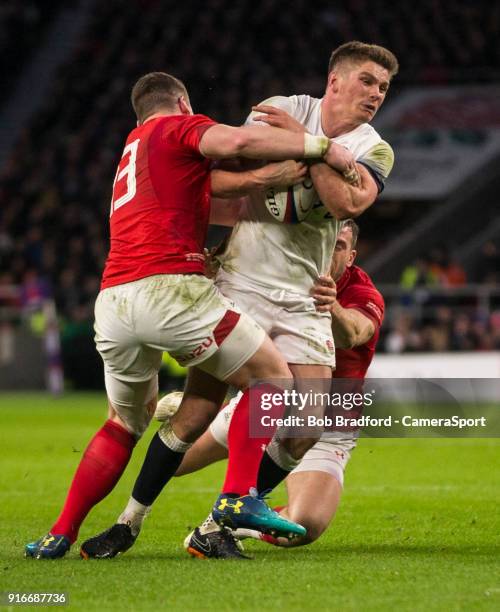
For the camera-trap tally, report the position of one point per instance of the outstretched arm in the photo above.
(223, 141)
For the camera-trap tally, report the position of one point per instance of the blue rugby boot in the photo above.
(252, 512)
(49, 547)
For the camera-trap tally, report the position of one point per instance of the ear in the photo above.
(352, 257)
(332, 82)
(184, 106)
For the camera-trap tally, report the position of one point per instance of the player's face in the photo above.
(343, 254)
(362, 89)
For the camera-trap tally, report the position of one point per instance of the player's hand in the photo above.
(277, 118)
(341, 159)
(324, 293)
(211, 263)
(285, 173)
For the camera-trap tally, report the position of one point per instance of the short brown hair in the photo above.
(354, 227)
(154, 91)
(361, 52)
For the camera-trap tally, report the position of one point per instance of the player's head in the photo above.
(158, 92)
(359, 76)
(345, 252)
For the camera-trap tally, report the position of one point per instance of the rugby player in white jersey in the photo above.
(269, 267)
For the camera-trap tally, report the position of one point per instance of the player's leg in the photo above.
(235, 350)
(211, 446)
(313, 499)
(202, 397)
(243, 352)
(103, 462)
(205, 451)
(245, 452)
(284, 451)
(314, 489)
(131, 404)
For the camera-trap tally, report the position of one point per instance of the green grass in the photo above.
(418, 527)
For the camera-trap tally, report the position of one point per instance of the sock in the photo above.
(159, 466)
(134, 515)
(270, 474)
(242, 534)
(245, 453)
(102, 464)
(209, 525)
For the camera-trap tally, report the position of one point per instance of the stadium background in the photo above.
(432, 242)
(418, 525)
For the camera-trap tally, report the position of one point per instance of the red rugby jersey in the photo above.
(161, 201)
(355, 289)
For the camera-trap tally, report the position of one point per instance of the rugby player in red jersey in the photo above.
(314, 487)
(154, 296)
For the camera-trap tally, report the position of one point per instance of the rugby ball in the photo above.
(292, 204)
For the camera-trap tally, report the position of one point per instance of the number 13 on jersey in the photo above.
(124, 191)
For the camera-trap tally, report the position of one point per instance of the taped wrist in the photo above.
(315, 146)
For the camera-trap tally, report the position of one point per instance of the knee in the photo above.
(314, 526)
(134, 421)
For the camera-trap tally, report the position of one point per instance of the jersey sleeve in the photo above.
(379, 160)
(281, 102)
(189, 131)
(366, 300)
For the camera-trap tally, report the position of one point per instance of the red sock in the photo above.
(102, 464)
(245, 453)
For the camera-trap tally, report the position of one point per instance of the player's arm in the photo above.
(228, 184)
(345, 190)
(223, 141)
(231, 185)
(342, 199)
(350, 327)
(349, 195)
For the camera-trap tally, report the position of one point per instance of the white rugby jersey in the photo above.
(268, 255)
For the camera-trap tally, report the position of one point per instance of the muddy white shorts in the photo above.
(182, 314)
(300, 333)
(329, 455)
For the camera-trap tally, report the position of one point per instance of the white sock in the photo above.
(242, 534)
(209, 525)
(134, 515)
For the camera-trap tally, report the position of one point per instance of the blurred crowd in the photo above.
(436, 310)
(56, 187)
(22, 26)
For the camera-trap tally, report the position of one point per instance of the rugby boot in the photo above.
(51, 546)
(218, 544)
(109, 543)
(252, 512)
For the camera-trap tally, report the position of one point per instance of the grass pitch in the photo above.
(418, 527)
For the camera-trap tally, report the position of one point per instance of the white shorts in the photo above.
(300, 333)
(329, 455)
(182, 314)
